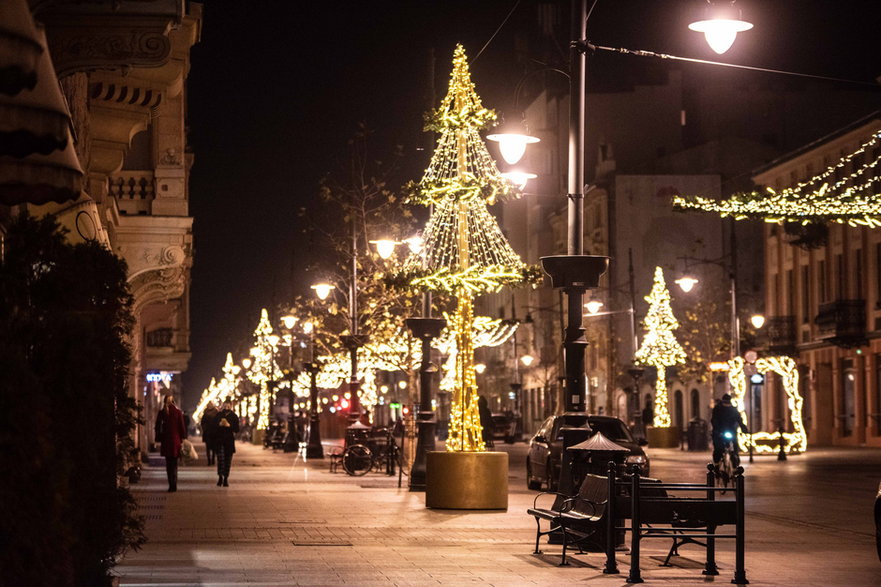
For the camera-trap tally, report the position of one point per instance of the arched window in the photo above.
(695, 404)
(677, 408)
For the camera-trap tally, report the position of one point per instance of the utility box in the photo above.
(697, 435)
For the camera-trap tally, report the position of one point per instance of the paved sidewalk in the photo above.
(286, 522)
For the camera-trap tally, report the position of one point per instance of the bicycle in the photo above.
(730, 460)
(360, 459)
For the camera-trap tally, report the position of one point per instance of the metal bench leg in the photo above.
(563, 562)
(674, 551)
(537, 535)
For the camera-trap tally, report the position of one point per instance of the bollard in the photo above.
(710, 568)
(739, 564)
(634, 576)
(781, 455)
(611, 567)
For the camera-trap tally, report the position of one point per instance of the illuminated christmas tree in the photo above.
(465, 253)
(659, 348)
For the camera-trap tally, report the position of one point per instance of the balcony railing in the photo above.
(134, 191)
(842, 323)
(782, 335)
(162, 337)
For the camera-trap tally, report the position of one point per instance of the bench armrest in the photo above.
(543, 493)
(572, 502)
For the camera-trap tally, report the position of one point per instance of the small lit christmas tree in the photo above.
(659, 348)
(465, 252)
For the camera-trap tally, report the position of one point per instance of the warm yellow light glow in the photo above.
(720, 33)
(415, 244)
(402, 385)
(385, 247)
(273, 339)
(347, 395)
(767, 442)
(718, 366)
(322, 290)
(289, 321)
(527, 360)
(686, 283)
(335, 397)
(480, 368)
(246, 362)
(519, 179)
(593, 306)
(307, 327)
(383, 388)
(512, 145)
(757, 320)
(659, 346)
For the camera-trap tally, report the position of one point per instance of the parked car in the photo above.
(546, 447)
(878, 521)
(504, 427)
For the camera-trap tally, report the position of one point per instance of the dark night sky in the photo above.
(277, 88)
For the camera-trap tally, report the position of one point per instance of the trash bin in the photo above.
(697, 435)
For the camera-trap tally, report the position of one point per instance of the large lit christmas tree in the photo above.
(659, 348)
(465, 252)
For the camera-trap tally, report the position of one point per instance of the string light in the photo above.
(787, 368)
(464, 251)
(659, 347)
(853, 199)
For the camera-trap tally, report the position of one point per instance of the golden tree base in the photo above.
(663, 437)
(467, 480)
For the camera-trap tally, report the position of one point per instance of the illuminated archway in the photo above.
(797, 440)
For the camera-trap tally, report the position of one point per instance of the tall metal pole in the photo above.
(314, 450)
(354, 341)
(574, 343)
(732, 276)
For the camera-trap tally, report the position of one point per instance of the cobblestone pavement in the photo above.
(286, 522)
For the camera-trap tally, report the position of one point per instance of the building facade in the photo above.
(122, 67)
(823, 297)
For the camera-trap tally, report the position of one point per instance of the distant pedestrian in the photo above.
(208, 423)
(486, 421)
(170, 430)
(225, 441)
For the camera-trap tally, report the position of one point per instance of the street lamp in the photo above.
(322, 290)
(720, 25)
(512, 145)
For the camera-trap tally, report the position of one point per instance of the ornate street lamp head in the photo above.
(720, 26)
(322, 290)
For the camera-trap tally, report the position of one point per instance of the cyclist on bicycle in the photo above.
(726, 419)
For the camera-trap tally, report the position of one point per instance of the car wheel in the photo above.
(530, 482)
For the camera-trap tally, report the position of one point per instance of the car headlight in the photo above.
(636, 460)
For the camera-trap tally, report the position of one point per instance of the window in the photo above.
(805, 294)
(840, 289)
(821, 280)
(790, 292)
(695, 404)
(858, 274)
(848, 392)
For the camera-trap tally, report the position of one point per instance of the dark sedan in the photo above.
(546, 447)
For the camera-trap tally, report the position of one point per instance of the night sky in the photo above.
(277, 88)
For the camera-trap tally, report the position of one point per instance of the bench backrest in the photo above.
(593, 496)
(687, 512)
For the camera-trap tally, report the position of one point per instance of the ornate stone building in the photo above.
(122, 67)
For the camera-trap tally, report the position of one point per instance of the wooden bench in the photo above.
(576, 517)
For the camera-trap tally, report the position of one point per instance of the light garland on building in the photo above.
(829, 196)
(464, 251)
(768, 442)
(226, 388)
(659, 347)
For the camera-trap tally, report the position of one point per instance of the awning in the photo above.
(20, 47)
(38, 163)
(599, 443)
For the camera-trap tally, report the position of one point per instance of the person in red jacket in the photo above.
(170, 431)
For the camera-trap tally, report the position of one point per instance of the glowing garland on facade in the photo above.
(465, 252)
(767, 442)
(659, 347)
(830, 196)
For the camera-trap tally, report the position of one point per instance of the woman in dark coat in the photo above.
(170, 431)
(208, 425)
(226, 427)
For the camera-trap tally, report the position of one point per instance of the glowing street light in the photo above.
(385, 247)
(519, 178)
(289, 321)
(527, 360)
(322, 290)
(593, 306)
(686, 283)
(757, 320)
(721, 25)
(512, 145)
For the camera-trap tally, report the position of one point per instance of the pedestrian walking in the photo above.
(225, 441)
(486, 421)
(208, 423)
(170, 430)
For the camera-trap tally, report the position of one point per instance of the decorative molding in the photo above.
(123, 93)
(157, 286)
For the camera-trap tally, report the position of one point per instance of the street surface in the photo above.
(286, 522)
